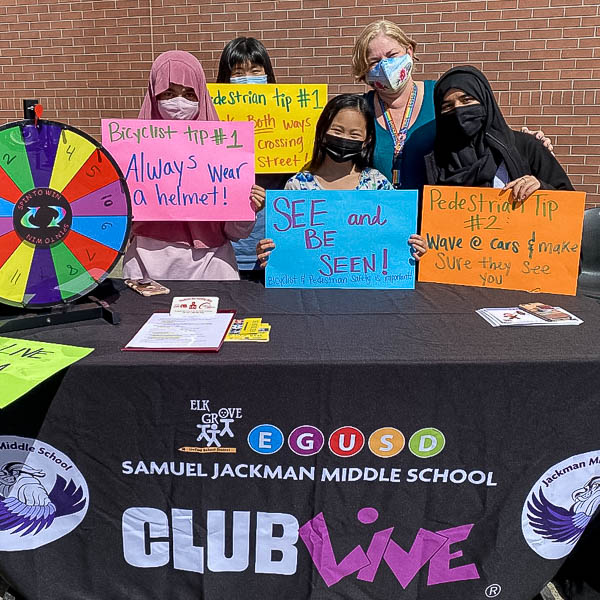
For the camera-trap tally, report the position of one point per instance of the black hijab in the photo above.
(472, 160)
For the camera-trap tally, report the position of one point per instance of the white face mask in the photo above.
(177, 108)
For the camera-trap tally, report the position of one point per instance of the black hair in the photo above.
(332, 108)
(244, 50)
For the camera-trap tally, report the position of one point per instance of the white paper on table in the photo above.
(163, 331)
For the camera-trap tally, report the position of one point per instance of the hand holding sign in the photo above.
(263, 251)
(258, 196)
(522, 187)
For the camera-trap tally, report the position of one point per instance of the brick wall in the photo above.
(90, 59)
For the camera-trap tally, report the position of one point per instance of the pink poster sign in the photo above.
(184, 170)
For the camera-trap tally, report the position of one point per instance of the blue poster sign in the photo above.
(341, 239)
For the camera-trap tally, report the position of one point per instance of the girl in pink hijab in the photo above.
(183, 249)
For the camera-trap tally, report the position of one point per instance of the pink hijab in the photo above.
(181, 68)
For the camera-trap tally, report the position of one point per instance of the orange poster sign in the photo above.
(480, 237)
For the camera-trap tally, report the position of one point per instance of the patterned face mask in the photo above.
(391, 74)
(254, 79)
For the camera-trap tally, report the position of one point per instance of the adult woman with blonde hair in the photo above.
(383, 57)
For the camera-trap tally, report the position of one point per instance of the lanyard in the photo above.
(399, 136)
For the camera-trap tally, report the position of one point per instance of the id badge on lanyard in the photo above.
(396, 170)
(399, 136)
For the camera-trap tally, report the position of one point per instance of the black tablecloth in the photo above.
(507, 406)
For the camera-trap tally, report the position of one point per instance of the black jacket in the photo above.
(540, 160)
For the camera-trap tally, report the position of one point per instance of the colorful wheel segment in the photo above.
(65, 214)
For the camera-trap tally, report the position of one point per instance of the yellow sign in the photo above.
(284, 118)
(480, 237)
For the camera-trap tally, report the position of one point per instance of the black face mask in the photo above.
(342, 149)
(464, 121)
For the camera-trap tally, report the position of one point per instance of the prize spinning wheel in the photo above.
(65, 213)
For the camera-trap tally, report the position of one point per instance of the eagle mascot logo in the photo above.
(561, 504)
(27, 507)
(559, 524)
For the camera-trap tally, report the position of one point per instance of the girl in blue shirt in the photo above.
(245, 60)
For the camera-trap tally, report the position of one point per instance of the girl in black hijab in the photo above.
(474, 146)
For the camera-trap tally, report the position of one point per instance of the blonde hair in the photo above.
(360, 65)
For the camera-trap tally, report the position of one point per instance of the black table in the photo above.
(383, 444)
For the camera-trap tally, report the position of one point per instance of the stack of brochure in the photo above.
(248, 330)
(534, 313)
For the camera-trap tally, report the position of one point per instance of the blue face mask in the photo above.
(253, 79)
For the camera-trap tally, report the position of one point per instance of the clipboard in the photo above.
(164, 332)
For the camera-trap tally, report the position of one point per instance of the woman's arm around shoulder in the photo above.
(542, 163)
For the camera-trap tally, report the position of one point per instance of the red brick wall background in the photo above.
(88, 59)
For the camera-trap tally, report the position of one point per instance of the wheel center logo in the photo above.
(43, 496)
(42, 217)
